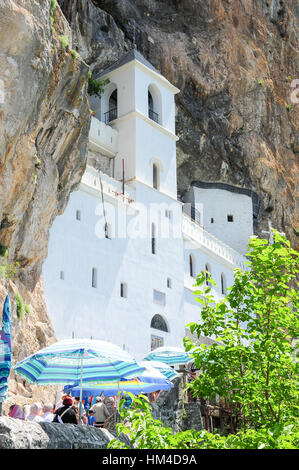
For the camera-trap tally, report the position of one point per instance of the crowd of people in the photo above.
(94, 412)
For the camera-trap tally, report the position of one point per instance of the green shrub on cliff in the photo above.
(95, 87)
(20, 307)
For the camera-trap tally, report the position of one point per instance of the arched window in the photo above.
(223, 284)
(208, 271)
(159, 323)
(191, 266)
(153, 237)
(154, 103)
(112, 106)
(156, 176)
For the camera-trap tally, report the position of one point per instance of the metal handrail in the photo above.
(192, 212)
(110, 115)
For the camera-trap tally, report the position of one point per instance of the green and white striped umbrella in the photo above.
(170, 355)
(77, 360)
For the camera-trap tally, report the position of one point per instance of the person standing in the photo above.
(66, 413)
(101, 412)
(91, 418)
(76, 407)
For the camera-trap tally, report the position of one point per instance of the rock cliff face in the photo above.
(44, 124)
(234, 62)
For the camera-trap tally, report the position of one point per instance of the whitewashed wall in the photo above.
(217, 204)
(75, 306)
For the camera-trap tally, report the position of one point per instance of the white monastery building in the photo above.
(124, 255)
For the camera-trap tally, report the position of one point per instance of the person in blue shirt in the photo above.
(91, 418)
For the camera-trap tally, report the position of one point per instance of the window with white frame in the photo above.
(78, 214)
(159, 297)
(191, 266)
(223, 284)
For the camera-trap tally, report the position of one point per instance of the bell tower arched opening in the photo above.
(154, 104)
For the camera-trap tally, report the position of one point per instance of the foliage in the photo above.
(289, 107)
(27, 309)
(144, 432)
(20, 307)
(63, 41)
(251, 362)
(260, 82)
(95, 87)
(3, 251)
(7, 270)
(74, 53)
(52, 10)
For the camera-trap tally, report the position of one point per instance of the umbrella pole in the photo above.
(80, 406)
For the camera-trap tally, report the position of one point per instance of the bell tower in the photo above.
(139, 103)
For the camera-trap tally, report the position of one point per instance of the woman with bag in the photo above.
(65, 414)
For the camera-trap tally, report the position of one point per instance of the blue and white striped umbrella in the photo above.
(151, 380)
(170, 355)
(5, 350)
(165, 369)
(77, 360)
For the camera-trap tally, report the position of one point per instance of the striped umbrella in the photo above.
(77, 360)
(5, 351)
(165, 369)
(147, 382)
(170, 355)
(151, 380)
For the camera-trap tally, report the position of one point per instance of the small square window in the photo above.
(230, 218)
(78, 215)
(212, 220)
(168, 213)
(169, 283)
(62, 275)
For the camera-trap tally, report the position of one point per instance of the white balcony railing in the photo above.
(213, 244)
(102, 137)
(98, 180)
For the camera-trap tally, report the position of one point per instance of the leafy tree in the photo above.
(252, 362)
(95, 87)
(144, 432)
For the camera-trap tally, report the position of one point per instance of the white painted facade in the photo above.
(227, 215)
(112, 288)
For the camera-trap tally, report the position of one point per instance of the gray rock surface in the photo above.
(17, 434)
